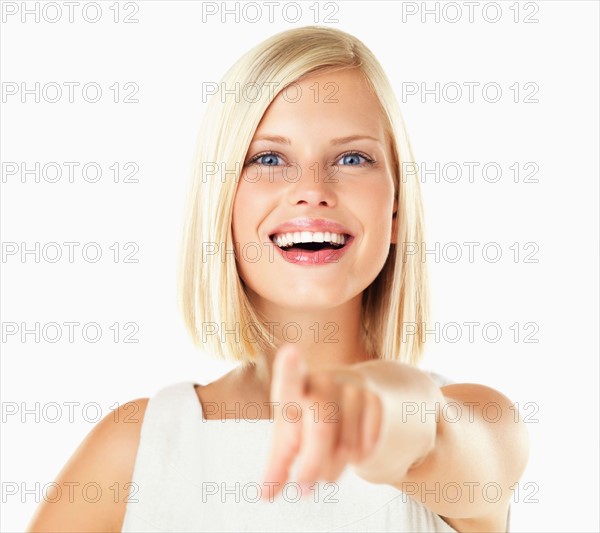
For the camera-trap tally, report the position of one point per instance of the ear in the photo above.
(394, 223)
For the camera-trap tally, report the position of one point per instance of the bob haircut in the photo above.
(211, 294)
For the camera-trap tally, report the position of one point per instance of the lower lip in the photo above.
(316, 258)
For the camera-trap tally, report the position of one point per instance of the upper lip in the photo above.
(312, 225)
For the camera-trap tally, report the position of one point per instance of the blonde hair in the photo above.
(211, 294)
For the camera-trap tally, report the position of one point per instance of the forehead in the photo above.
(325, 101)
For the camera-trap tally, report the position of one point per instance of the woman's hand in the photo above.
(326, 420)
(384, 419)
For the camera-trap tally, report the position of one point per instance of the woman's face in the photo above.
(318, 174)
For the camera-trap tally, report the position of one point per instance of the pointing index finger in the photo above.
(289, 374)
(287, 388)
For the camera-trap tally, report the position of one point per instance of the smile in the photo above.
(312, 248)
(308, 240)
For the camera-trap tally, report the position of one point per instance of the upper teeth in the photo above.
(288, 239)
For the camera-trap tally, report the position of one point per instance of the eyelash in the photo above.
(369, 160)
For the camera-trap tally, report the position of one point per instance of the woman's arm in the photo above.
(457, 450)
(104, 459)
(392, 424)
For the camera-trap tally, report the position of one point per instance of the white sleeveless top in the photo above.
(193, 475)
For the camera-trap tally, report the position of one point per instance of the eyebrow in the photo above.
(334, 142)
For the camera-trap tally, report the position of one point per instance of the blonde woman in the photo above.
(294, 265)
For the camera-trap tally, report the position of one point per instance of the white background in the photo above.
(169, 53)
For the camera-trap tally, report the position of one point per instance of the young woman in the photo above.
(294, 264)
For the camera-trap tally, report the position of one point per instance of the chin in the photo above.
(309, 299)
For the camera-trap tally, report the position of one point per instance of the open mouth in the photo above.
(309, 241)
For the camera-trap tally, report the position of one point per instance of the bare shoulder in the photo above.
(95, 481)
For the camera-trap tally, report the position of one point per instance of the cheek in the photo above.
(245, 207)
(253, 202)
(241, 224)
(238, 213)
(375, 204)
(374, 209)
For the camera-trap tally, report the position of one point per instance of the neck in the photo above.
(324, 337)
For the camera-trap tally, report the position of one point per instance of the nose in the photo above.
(312, 185)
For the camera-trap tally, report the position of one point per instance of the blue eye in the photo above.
(266, 159)
(353, 159)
